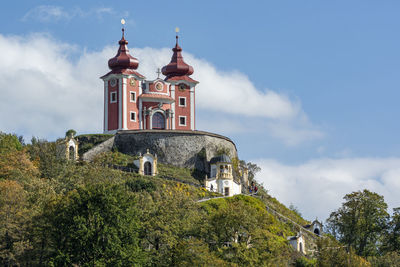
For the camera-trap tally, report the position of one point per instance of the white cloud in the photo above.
(49, 13)
(318, 186)
(44, 92)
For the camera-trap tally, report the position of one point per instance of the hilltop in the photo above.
(57, 212)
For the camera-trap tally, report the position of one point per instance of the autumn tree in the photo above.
(360, 222)
(241, 231)
(15, 218)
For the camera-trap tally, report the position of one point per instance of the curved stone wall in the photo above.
(189, 149)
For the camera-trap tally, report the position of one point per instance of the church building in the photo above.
(133, 103)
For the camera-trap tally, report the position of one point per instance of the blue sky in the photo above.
(322, 78)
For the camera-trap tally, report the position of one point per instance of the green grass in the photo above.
(184, 174)
(88, 141)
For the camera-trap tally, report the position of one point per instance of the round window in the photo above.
(159, 86)
(132, 82)
(182, 87)
(113, 82)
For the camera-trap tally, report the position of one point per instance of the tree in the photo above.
(252, 168)
(14, 220)
(94, 226)
(70, 133)
(241, 231)
(360, 222)
(170, 218)
(391, 242)
(332, 253)
(9, 143)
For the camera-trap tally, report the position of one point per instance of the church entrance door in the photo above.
(158, 121)
(226, 191)
(147, 168)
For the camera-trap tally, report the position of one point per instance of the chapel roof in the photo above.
(222, 158)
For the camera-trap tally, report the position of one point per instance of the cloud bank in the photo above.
(49, 86)
(317, 187)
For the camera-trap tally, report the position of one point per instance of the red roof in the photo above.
(123, 60)
(125, 71)
(157, 96)
(177, 67)
(181, 78)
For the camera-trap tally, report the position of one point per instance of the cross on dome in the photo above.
(123, 60)
(177, 66)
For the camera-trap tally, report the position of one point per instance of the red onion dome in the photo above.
(123, 60)
(177, 67)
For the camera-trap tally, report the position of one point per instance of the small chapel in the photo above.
(133, 103)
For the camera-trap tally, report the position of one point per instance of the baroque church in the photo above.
(154, 120)
(133, 103)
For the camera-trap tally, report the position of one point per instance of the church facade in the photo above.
(133, 103)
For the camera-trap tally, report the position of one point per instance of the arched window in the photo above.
(158, 121)
(301, 247)
(316, 231)
(147, 168)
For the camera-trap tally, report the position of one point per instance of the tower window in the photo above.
(182, 101)
(133, 116)
(113, 97)
(133, 96)
(182, 120)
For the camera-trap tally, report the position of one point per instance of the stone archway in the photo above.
(158, 121)
(316, 231)
(147, 168)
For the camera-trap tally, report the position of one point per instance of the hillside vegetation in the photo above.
(58, 213)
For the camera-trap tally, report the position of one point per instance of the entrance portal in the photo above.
(226, 191)
(316, 231)
(147, 168)
(158, 121)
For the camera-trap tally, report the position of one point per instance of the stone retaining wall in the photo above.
(189, 149)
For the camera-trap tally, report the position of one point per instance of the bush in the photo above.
(140, 184)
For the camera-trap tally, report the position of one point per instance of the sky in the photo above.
(308, 90)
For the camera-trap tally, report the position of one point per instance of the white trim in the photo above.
(105, 125)
(141, 125)
(151, 120)
(173, 106)
(130, 97)
(182, 81)
(130, 116)
(179, 102)
(117, 76)
(140, 115)
(156, 93)
(120, 106)
(124, 88)
(192, 108)
(180, 120)
(140, 87)
(111, 94)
